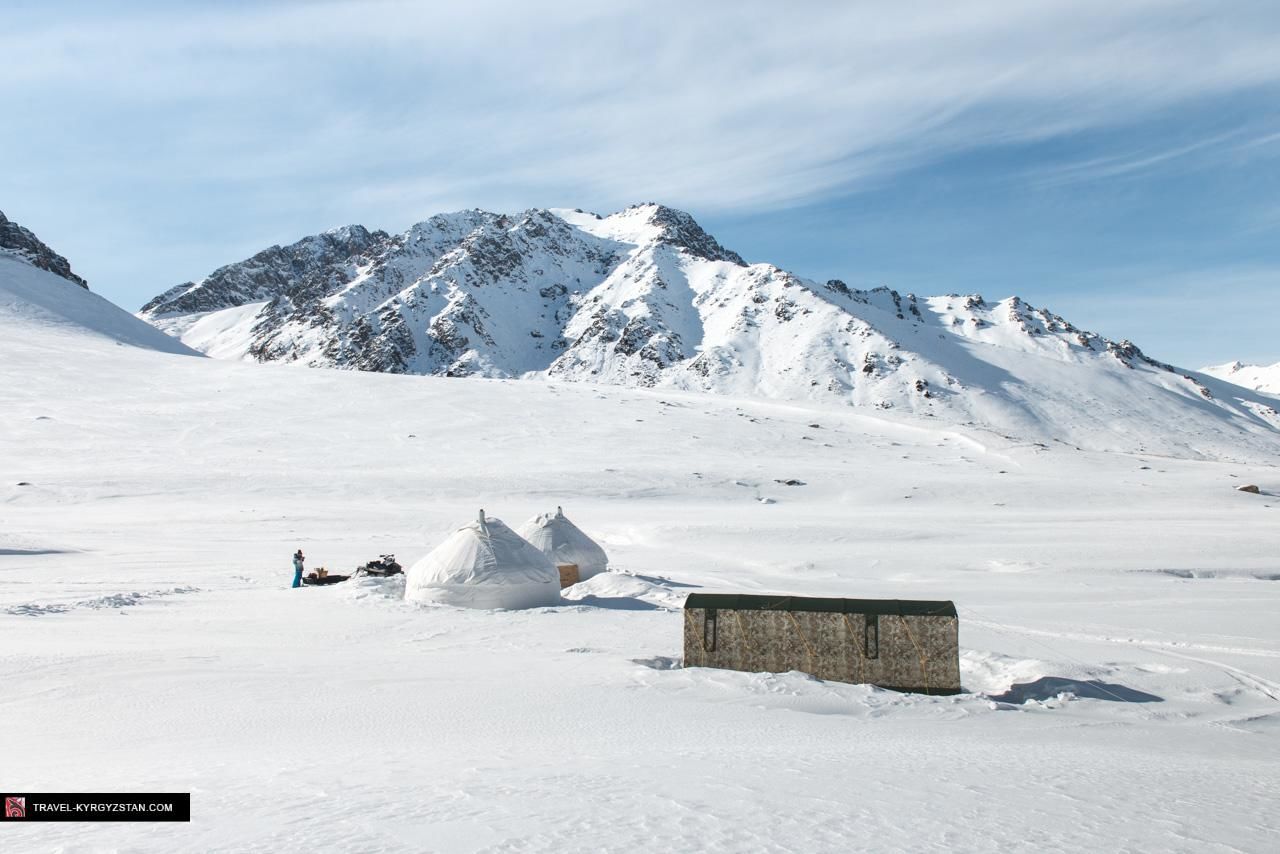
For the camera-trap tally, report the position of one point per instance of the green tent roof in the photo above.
(746, 602)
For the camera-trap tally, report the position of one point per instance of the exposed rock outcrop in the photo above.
(21, 243)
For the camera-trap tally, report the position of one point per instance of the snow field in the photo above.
(149, 641)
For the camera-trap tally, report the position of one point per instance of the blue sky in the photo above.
(1118, 163)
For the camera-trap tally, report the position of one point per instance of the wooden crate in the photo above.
(568, 574)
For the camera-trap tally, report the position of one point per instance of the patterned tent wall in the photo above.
(900, 644)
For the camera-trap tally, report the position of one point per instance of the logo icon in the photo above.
(15, 807)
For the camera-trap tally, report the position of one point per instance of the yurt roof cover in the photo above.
(486, 551)
(564, 541)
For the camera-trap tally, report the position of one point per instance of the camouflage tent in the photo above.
(893, 643)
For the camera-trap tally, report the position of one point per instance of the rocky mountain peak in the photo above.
(310, 266)
(21, 243)
(1264, 378)
(680, 229)
(646, 297)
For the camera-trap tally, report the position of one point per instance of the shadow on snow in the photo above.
(1048, 687)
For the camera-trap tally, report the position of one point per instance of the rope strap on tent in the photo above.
(924, 659)
(688, 618)
(746, 638)
(813, 656)
(862, 653)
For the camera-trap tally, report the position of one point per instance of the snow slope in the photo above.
(1120, 652)
(38, 299)
(20, 243)
(1265, 378)
(646, 298)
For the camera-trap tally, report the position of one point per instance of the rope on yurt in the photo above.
(813, 656)
(862, 653)
(924, 659)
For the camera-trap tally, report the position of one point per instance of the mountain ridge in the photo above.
(646, 297)
(1263, 378)
(40, 295)
(21, 243)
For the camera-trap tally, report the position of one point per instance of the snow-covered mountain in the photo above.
(645, 297)
(38, 290)
(1264, 378)
(19, 242)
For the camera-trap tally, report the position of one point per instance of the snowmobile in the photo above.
(382, 567)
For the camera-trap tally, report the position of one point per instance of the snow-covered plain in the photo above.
(1120, 649)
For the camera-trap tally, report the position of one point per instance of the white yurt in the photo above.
(484, 565)
(565, 544)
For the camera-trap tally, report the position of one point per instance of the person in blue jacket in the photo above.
(297, 568)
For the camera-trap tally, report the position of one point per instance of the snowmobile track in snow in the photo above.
(1250, 680)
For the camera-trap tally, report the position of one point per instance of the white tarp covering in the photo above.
(484, 564)
(564, 542)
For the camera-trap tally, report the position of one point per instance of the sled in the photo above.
(320, 580)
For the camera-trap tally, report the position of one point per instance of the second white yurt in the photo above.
(484, 564)
(577, 556)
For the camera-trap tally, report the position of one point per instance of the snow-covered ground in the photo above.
(148, 640)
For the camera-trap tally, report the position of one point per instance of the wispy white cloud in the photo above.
(715, 105)
(301, 115)
(1128, 163)
(1233, 145)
